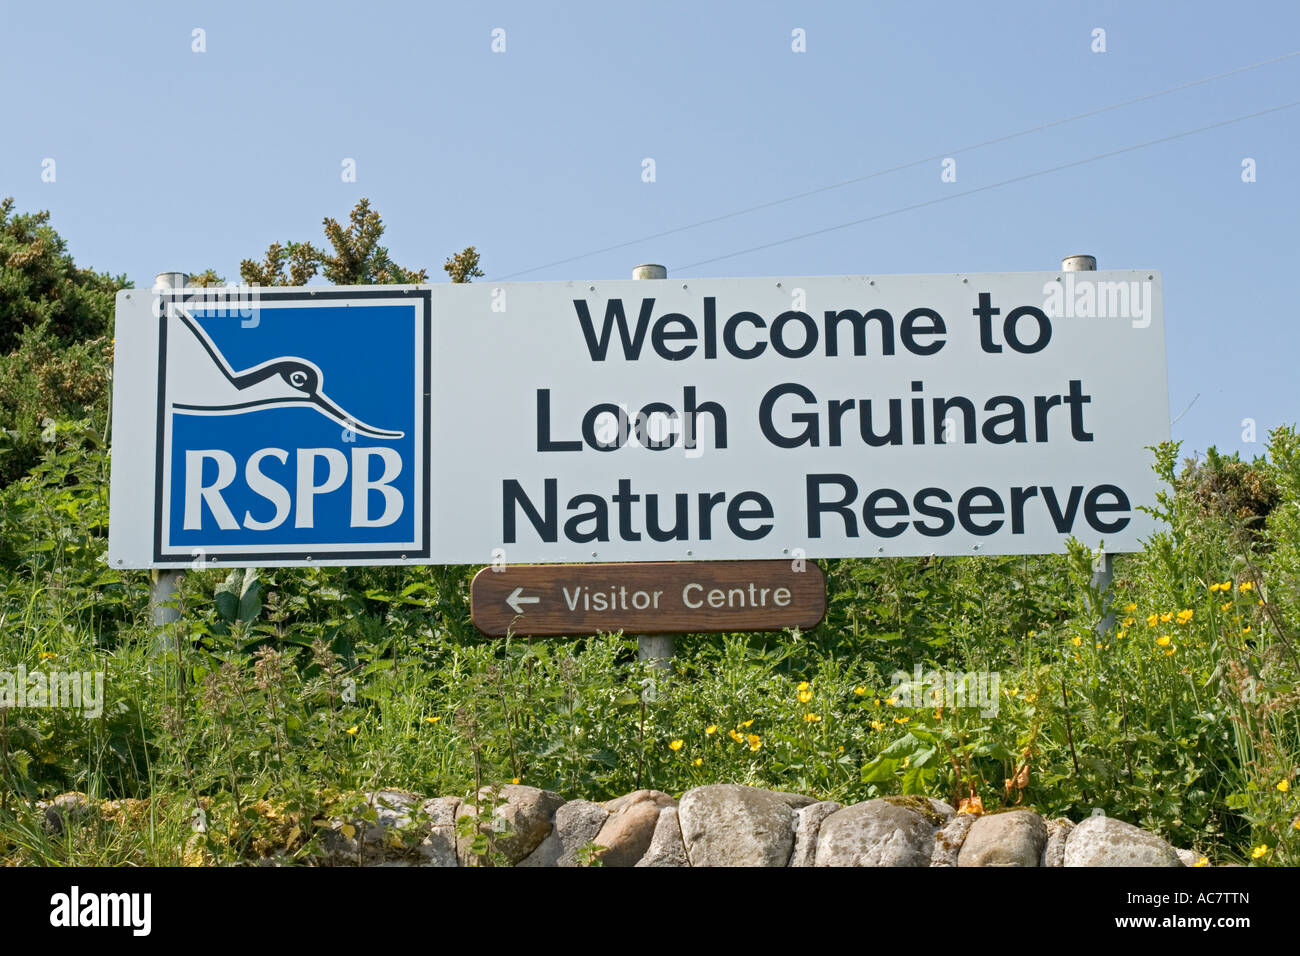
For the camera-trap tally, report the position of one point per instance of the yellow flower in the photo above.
(1225, 606)
(1225, 586)
(1246, 629)
(859, 691)
(1163, 640)
(811, 718)
(1152, 620)
(697, 761)
(711, 729)
(1130, 608)
(1203, 861)
(754, 741)
(1030, 698)
(735, 736)
(1121, 635)
(1170, 652)
(515, 781)
(1166, 617)
(877, 725)
(1185, 616)
(48, 655)
(892, 701)
(803, 685)
(1259, 851)
(907, 761)
(901, 720)
(1215, 587)
(746, 723)
(351, 730)
(1099, 645)
(1077, 642)
(1284, 785)
(1246, 586)
(432, 720)
(877, 703)
(805, 696)
(675, 745)
(1128, 622)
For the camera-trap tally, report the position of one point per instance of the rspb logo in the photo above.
(295, 430)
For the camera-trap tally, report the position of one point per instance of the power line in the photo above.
(985, 188)
(908, 165)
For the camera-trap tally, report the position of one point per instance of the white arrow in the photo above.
(515, 600)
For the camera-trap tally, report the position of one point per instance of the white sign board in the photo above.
(699, 419)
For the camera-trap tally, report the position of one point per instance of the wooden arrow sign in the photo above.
(649, 598)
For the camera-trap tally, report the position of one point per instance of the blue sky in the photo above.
(170, 159)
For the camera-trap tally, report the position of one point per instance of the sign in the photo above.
(652, 420)
(656, 598)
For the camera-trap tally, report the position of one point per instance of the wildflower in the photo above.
(901, 720)
(1296, 824)
(1225, 606)
(432, 720)
(1284, 785)
(675, 745)
(711, 729)
(1121, 635)
(1185, 616)
(1203, 861)
(747, 722)
(811, 718)
(803, 685)
(805, 696)
(1152, 620)
(697, 761)
(841, 748)
(859, 691)
(1030, 698)
(351, 730)
(735, 736)
(1226, 586)
(1077, 642)
(1163, 640)
(1246, 629)
(877, 703)
(515, 781)
(1128, 622)
(48, 655)
(1166, 617)
(754, 741)
(1217, 587)
(877, 725)
(1259, 851)
(892, 701)
(1246, 586)
(1170, 652)
(1130, 608)
(1099, 645)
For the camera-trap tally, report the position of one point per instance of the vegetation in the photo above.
(282, 694)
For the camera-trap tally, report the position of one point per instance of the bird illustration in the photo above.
(285, 382)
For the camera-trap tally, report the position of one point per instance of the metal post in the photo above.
(658, 649)
(164, 585)
(1103, 572)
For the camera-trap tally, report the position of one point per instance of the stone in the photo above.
(66, 807)
(880, 832)
(397, 826)
(1012, 838)
(807, 824)
(1188, 857)
(576, 826)
(632, 821)
(949, 839)
(666, 845)
(1058, 831)
(1105, 841)
(523, 817)
(439, 847)
(728, 824)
